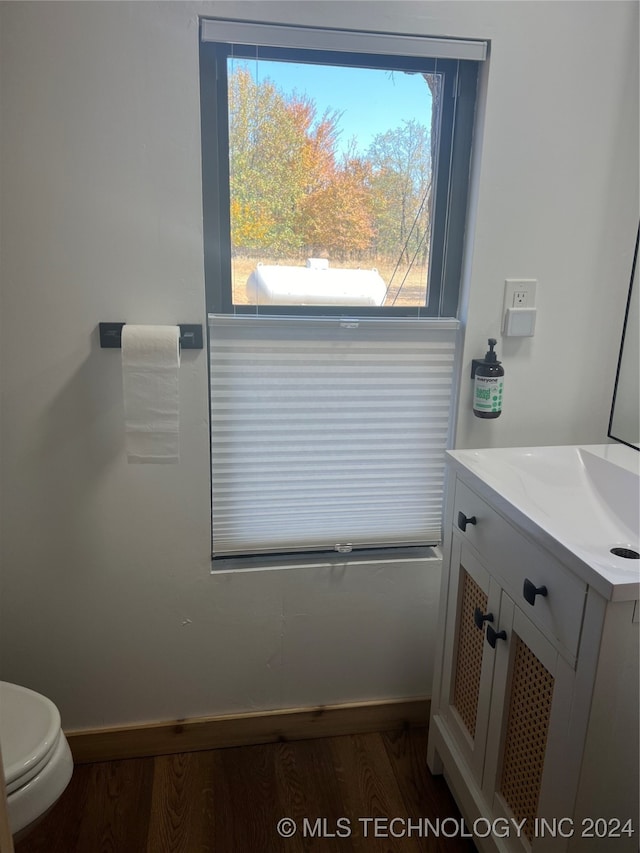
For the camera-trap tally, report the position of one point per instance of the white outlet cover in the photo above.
(517, 285)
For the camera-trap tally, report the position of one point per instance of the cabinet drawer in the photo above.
(507, 554)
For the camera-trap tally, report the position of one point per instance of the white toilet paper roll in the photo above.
(150, 362)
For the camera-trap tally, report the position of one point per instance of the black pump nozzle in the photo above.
(491, 356)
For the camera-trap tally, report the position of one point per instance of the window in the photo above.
(333, 251)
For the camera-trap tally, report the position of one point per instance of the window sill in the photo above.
(266, 562)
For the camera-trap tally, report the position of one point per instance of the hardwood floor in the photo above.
(230, 801)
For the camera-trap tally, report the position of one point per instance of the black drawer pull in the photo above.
(463, 520)
(480, 618)
(494, 636)
(530, 590)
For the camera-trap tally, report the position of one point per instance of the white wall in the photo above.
(108, 605)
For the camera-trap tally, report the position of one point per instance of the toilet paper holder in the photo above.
(111, 335)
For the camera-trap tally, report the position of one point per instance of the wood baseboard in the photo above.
(191, 735)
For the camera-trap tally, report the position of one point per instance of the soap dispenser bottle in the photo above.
(488, 385)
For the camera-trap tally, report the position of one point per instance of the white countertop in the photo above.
(576, 501)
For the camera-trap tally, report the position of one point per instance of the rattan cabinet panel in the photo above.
(473, 604)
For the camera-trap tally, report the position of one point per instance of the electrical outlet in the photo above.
(519, 300)
(519, 293)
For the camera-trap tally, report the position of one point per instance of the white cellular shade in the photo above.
(328, 432)
(316, 38)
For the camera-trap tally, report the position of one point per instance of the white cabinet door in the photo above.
(527, 775)
(474, 600)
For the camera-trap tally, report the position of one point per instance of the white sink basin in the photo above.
(586, 500)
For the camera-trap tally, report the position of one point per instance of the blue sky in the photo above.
(371, 101)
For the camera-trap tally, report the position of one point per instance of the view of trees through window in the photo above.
(308, 182)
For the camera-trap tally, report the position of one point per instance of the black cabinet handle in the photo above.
(494, 636)
(530, 590)
(463, 520)
(480, 618)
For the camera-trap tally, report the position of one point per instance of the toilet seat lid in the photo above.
(29, 728)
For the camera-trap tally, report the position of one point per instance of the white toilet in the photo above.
(35, 755)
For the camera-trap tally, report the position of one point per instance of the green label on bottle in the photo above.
(487, 393)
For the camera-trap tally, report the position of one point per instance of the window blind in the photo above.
(320, 38)
(328, 433)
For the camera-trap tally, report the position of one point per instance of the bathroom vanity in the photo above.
(535, 702)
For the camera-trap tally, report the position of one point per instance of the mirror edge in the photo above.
(619, 365)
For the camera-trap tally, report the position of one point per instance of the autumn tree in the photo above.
(279, 153)
(401, 179)
(337, 217)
